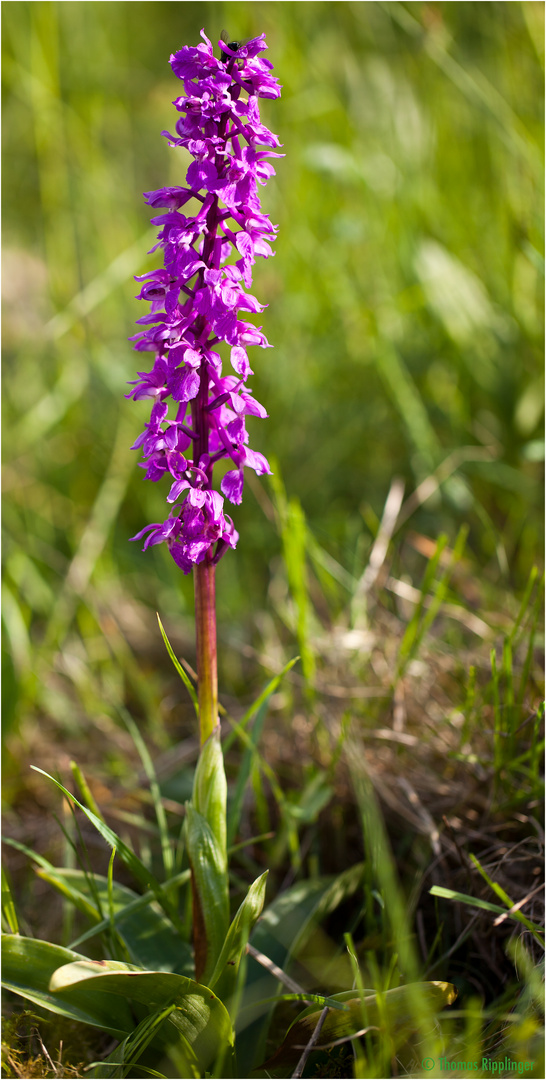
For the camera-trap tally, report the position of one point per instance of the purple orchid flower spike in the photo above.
(198, 296)
(199, 300)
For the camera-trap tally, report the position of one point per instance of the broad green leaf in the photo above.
(207, 854)
(200, 1016)
(27, 967)
(210, 789)
(181, 1051)
(393, 1011)
(148, 934)
(224, 976)
(208, 863)
(280, 934)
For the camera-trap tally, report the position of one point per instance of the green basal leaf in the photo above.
(200, 1017)
(27, 967)
(207, 854)
(210, 789)
(208, 862)
(224, 976)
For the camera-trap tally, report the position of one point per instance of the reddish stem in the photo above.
(205, 596)
(205, 634)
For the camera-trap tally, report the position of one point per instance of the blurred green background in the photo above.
(405, 305)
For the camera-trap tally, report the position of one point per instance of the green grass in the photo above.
(406, 311)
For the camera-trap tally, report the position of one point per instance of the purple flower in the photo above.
(197, 297)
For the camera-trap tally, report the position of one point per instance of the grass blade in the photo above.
(161, 817)
(141, 872)
(86, 793)
(485, 905)
(245, 768)
(183, 674)
(9, 913)
(266, 693)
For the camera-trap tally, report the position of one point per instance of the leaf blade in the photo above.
(27, 966)
(201, 1017)
(183, 675)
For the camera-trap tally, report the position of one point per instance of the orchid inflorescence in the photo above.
(197, 295)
